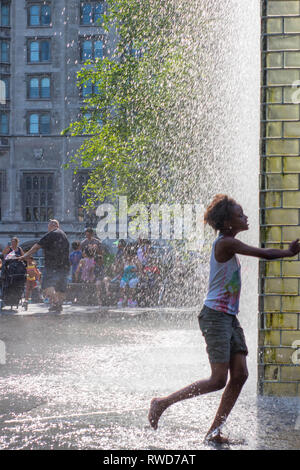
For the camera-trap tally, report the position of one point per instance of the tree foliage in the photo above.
(138, 126)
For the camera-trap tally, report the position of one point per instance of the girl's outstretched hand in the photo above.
(294, 247)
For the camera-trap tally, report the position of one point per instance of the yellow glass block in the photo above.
(282, 77)
(274, 60)
(284, 43)
(274, 25)
(273, 165)
(271, 372)
(282, 8)
(283, 112)
(272, 389)
(291, 129)
(274, 95)
(292, 25)
(290, 233)
(272, 338)
(273, 268)
(277, 355)
(282, 147)
(289, 337)
(290, 373)
(291, 164)
(282, 182)
(291, 303)
(291, 199)
(292, 59)
(272, 303)
(281, 286)
(281, 320)
(291, 268)
(282, 216)
(274, 129)
(272, 199)
(292, 94)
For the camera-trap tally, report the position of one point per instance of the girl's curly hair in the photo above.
(219, 210)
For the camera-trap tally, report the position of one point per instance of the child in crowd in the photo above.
(33, 275)
(86, 267)
(99, 272)
(151, 270)
(115, 271)
(143, 251)
(130, 277)
(75, 258)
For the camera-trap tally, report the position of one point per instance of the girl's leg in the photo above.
(238, 376)
(217, 381)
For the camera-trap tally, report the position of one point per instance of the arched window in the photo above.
(45, 124)
(87, 50)
(34, 51)
(39, 51)
(39, 15)
(34, 15)
(34, 88)
(34, 124)
(45, 87)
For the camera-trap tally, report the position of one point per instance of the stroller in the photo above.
(13, 278)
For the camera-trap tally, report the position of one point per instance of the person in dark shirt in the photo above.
(57, 265)
(91, 242)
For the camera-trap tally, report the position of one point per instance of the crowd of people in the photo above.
(121, 276)
(133, 265)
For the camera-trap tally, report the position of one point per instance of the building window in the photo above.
(4, 51)
(39, 51)
(83, 215)
(91, 12)
(5, 14)
(89, 119)
(38, 196)
(39, 15)
(4, 123)
(89, 88)
(39, 123)
(39, 87)
(4, 89)
(91, 49)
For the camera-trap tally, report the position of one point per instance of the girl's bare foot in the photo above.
(215, 437)
(155, 412)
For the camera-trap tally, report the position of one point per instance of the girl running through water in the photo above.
(218, 321)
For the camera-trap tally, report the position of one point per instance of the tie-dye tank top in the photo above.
(224, 284)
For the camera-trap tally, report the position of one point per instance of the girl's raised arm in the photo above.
(232, 246)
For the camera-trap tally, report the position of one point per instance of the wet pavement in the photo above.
(83, 379)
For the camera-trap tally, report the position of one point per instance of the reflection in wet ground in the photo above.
(84, 379)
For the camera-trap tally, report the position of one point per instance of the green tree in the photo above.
(138, 124)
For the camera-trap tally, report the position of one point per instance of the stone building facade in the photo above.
(43, 45)
(279, 323)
